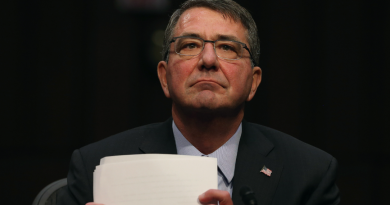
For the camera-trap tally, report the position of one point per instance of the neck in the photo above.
(207, 131)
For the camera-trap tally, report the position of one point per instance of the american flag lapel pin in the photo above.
(266, 171)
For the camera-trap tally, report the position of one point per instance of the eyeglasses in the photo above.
(188, 47)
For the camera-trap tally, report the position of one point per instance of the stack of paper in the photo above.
(153, 179)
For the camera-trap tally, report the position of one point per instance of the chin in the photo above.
(208, 104)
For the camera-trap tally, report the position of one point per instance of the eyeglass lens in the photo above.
(223, 48)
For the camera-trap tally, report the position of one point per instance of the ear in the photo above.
(162, 76)
(256, 74)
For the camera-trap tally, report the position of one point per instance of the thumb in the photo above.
(213, 196)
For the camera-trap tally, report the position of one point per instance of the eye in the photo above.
(227, 48)
(190, 46)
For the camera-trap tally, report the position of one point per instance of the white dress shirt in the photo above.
(226, 156)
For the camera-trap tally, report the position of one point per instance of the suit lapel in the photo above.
(254, 152)
(159, 139)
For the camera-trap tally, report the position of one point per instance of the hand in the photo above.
(93, 203)
(212, 196)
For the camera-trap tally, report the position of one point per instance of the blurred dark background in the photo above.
(79, 71)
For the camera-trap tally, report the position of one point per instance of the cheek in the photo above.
(239, 78)
(178, 73)
(240, 82)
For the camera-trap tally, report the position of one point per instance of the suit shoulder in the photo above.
(290, 145)
(125, 141)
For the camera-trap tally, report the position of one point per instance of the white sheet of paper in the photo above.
(134, 157)
(159, 179)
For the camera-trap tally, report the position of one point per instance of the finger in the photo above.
(213, 196)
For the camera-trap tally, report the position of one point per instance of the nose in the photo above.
(209, 59)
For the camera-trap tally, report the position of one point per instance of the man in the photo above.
(210, 71)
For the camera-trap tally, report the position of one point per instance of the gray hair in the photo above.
(227, 8)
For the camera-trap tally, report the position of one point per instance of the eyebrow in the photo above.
(227, 37)
(219, 36)
(190, 34)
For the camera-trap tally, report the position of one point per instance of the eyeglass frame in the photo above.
(208, 41)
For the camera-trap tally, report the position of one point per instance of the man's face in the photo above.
(206, 81)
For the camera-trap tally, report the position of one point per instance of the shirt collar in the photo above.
(226, 154)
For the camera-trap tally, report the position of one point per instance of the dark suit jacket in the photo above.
(301, 173)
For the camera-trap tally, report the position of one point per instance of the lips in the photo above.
(207, 81)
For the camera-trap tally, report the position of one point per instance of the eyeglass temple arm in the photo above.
(250, 53)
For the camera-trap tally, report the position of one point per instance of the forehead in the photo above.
(209, 24)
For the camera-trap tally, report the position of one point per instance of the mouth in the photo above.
(211, 82)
